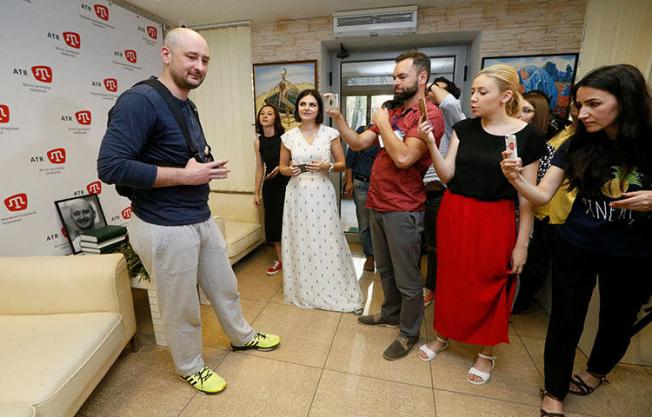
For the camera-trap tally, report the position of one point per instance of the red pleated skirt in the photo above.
(475, 291)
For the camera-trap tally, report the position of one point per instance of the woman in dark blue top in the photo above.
(608, 233)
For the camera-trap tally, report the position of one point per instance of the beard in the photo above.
(407, 93)
(181, 80)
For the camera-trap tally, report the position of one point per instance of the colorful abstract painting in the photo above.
(552, 74)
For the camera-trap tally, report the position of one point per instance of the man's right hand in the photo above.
(334, 114)
(348, 188)
(197, 173)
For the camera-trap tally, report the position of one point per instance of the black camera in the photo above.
(205, 157)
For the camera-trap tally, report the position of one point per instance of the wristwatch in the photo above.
(330, 168)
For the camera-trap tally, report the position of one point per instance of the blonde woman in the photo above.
(479, 249)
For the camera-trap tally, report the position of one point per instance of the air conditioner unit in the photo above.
(375, 22)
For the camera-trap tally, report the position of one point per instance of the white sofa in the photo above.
(240, 222)
(63, 322)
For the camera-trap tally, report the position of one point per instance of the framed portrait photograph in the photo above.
(279, 84)
(551, 74)
(78, 215)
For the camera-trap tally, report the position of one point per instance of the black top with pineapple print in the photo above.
(596, 226)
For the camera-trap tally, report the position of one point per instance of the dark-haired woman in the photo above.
(268, 147)
(608, 233)
(318, 270)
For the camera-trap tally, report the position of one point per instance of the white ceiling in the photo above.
(206, 12)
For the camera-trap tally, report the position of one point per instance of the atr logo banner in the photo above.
(57, 156)
(16, 202)
(43, 73)
(83, 117)
(130, 55)
(94, 188)
(126, 213)
(111, 84)
(72, 39)
(152, 32)
(4, 113)
(101, 11)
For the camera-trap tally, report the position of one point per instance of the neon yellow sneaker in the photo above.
(262, 342)
(206, 381)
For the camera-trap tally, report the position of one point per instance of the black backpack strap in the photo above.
(176, 112)
(194, 110)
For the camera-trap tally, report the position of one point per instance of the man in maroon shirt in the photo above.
(397, 196)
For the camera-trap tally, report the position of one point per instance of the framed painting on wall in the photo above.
(552, 74)
(78, 215)
(279, 83)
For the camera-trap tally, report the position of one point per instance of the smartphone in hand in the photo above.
(510, 145)
(302, 167)
(331, 101)
(423, 110)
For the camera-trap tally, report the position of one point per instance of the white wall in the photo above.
(616, 33)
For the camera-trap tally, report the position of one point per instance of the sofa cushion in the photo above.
(240, 236)
(49, 360)
(17, 411)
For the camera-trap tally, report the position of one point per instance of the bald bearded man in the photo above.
(172, 229)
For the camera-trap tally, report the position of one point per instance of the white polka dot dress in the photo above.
(317, 266)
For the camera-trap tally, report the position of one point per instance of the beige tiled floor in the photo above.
(328, 365)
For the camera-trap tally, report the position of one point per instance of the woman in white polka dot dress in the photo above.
(317, 265)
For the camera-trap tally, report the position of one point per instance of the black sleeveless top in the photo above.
(270, 151)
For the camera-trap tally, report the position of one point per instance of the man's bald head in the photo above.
(180, 37)
(82, 214)
(185, 61)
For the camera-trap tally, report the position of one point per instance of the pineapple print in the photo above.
(612, 189)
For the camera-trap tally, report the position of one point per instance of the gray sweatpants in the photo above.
(179, 258)
(396, 237)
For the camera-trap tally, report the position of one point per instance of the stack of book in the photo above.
(103, 240)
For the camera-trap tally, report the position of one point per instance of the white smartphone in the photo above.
(510, 145)
(331, 101)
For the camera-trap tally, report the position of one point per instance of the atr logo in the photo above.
(83, 117)
(16, 202)
(72, 39)
(102, 11)
(111, 84)
(57, 156)
(94, 188)
(4, 113)
(43, 73)
(130, 55)
(152, 32)
(126, 213)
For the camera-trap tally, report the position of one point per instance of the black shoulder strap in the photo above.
(176, 112)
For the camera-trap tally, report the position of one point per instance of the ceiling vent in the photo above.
(375, 22)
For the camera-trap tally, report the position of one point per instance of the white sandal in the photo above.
(430, 354)
(484, 376)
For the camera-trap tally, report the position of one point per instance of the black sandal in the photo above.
(544, 413)
(584, 388)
